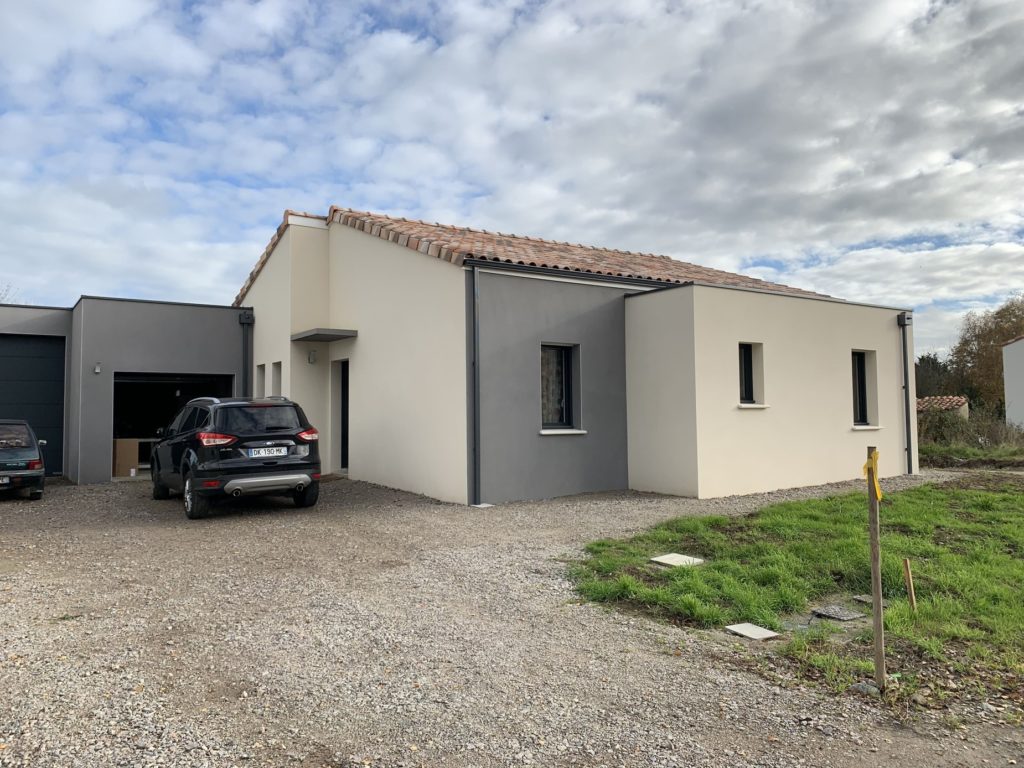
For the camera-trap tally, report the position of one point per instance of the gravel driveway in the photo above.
(383, 628)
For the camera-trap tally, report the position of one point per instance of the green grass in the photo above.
(947, 454)
(966, 546)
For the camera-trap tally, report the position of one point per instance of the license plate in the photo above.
(259, 453)
(5, 481)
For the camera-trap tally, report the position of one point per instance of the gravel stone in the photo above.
(382, 628)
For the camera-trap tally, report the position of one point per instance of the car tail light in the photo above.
(211, 439)
(211, 483)
(309, 435)
(35, 464)
(316, 475)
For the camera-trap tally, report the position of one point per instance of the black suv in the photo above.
(21, 458)
(218, 447)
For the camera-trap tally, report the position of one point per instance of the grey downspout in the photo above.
(246, 319)
(904, 319)
(475, 496)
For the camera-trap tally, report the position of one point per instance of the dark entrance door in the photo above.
(32, 389)
(344, 414)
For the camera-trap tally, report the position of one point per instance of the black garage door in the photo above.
(32, 388)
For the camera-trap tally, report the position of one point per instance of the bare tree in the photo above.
(8, 293)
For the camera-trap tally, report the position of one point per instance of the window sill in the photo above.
(865, 428)
(563, 432)
(752, 406)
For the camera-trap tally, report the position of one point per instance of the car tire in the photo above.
(36, 494)
(196, 506)
(160, 491)
(308, 496)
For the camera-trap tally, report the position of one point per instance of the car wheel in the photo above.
(160, 491)
(308, 496)
(196, 506)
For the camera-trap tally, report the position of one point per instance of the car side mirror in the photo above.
(41, 442)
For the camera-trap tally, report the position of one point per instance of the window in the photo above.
(275, 379)
(556, 386)
(237, 420)
(189, 423)
(865, 392)
(751, 373)
(261, 380)
(747, 373)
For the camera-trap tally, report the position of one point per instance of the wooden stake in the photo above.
(876, 575)
(908, 577)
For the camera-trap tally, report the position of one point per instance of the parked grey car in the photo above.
(21, 460)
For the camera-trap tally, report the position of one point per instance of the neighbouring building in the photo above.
(945, 404)
(97, 380)
(474, 366)
(1013, 380)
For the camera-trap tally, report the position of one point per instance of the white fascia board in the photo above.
(298, 220)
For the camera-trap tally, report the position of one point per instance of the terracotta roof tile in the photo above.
(456, 244)
(941, 403)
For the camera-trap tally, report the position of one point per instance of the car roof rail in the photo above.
(206, 399)
(276, 397)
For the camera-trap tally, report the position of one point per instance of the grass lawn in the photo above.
(966, 543)
(963, 454)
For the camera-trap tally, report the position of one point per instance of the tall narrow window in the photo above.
(747, 373)
(275, 379)
(556, 382)
(261, 380)
(860, 389)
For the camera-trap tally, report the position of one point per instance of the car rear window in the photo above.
(14, 436)
(250, 419)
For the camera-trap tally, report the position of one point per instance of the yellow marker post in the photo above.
(871, 472)
(874, 496)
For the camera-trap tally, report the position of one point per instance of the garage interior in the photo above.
(145, 402)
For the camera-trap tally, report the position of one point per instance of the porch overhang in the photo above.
(324, 334)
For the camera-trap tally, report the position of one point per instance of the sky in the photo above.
(870, 150)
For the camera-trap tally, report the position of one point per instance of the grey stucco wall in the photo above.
(517, 315)
(137, 337)
(35, 321)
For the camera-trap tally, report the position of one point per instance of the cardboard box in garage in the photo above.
(126, 456)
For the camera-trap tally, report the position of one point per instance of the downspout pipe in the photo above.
(246, 319)
(475, 496)
(904, 320)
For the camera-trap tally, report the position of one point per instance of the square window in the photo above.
(556, 386)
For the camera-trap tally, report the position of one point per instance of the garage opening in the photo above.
(145, 402)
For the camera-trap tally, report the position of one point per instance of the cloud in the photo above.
(868, 150)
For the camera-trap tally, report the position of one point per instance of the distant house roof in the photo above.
(1013, 341)
(941, 403)
(456, 244)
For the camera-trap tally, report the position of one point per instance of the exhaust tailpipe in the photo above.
(299, 487)
(237, 492)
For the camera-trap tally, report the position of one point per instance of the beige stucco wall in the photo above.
(661, 392)
(407, 367)
(805, 435)
(269, 298)
(1013, 381)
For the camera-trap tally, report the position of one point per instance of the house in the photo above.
(944, 404)
(475, 366)
(1013, 380)
(98, 379)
